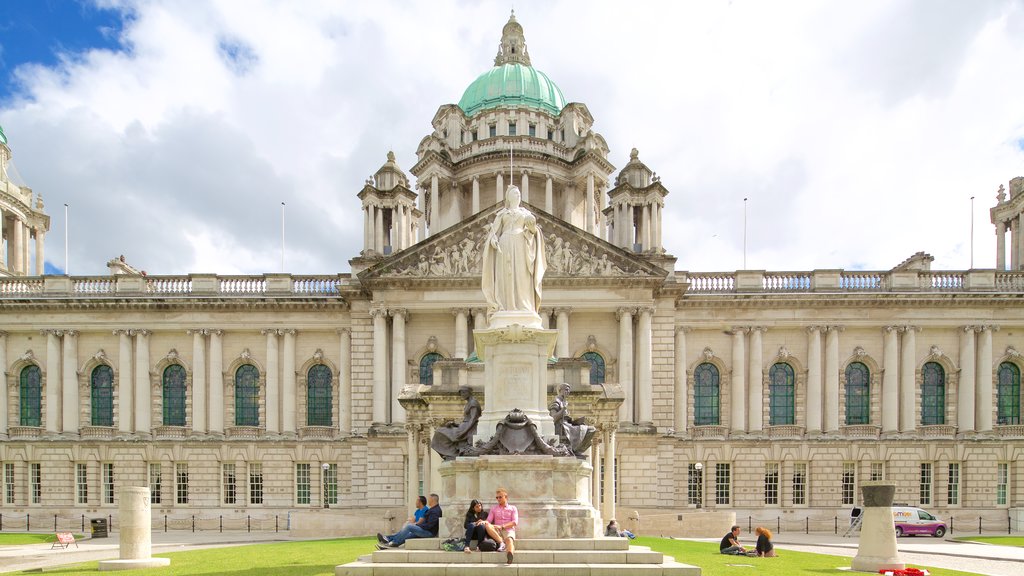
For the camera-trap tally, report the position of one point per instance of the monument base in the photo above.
(552, 494)
(135, 564)
(877, 547)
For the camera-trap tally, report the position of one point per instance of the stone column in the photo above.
(380, 365)
(125, 382)
(562, 344)
(890, 380)
(17, 261)
(1014, 242)
(135, 519)
(367, 227)
(398, 362)
(499, 188)
(645, 384)
(755, 392)
(345, 381)
(216, 381)
(595, 476)
(983, 418)
(877, 549)
(965, 393)
(143, 386)
(525, 187)
(26, 263)
(288, 415)
(199, 381)
(549, 198)
(476, 194)
(625, 316)
(645, 227)
(53, 380)
(479, 323)
(69, 383)
(589, 205)
(461, 336)
(3, 389)
(435, 206)
(1000, 245)
(1018, 241)
(3, 224)
(814, 416)
(273, 404)
(908, 388)
(413, 473)
(397, 228)
(681, 392)
(40, 257)
(738, 391)
(658, 209)
(378, 230)
(545, 318)
(608, 509)
(422, 198)
(832, 379)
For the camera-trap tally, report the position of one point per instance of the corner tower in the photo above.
(23, 224)
(560, 164)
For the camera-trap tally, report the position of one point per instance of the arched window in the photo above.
(858, 394)
(247, 396)
(1008, 394)
(31, 396)
(781, 396)
(427, 367)
(596, 367)
(705, 395)
(174, 395)
(319, 381)
(933, 394)
(102, 386)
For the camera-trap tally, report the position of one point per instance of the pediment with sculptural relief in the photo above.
(454, 256)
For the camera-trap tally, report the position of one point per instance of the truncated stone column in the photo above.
(877, 547)
(136, 538)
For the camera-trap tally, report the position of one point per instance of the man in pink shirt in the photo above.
(504, 518)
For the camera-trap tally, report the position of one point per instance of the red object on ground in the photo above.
(905, 572)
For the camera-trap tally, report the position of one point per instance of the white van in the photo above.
(910, 521)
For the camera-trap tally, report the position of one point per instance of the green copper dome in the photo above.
(3, 138)
(512, 84)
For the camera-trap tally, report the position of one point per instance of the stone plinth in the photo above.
(877, 548)
(515, 375)
(552, 494)
(136, 538)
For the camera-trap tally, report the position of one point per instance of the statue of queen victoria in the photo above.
(513, 261)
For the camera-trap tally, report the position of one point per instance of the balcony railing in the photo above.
(203, 285)
(754, 281)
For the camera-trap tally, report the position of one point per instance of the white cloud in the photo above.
(858, 131)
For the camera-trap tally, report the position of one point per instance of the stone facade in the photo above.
(748, 393)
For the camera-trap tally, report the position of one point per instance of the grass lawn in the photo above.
(11, 539)
(318, 558)
(1000, 540)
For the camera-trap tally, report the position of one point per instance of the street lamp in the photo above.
(700, 483)
(325, 467)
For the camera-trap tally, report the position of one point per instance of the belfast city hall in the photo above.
(763, 394)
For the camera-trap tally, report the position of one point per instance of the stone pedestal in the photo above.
(552, 494)
(515, 375)
(136, 537)
(877, 546)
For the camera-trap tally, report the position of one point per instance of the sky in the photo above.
(857, 131)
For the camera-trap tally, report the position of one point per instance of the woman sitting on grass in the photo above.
(764, 547)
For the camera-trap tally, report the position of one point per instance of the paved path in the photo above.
(916, 551)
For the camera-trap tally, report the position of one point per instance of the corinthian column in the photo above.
(476, 194)
(143, 387)
(380, 365)
(40, 256)
(814, 379)
(890, 380)
(69, 383)
(589, 205)
(398, 362)
(273, 382)
(435, 206)
(125, 382)
(681, 392)
(288, 383)
(625, 316)
(983, 420)
(832, 379)
(198, 381)
(549, 203)
(53, 380)
(738, 390)
(562, 343)
(216, 381)
(965, 393)
(3, 390)
(645, 383)
(525, 187)
(345, 381)
(461, 340)
(1000, 245)
(755, 415)
(908, 369)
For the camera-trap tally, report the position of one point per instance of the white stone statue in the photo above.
(513, 264)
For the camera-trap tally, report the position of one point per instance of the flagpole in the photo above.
(744, 233)
(66, 271)
(282, 237)
(972, 233)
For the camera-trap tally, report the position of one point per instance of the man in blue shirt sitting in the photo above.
(428, 528)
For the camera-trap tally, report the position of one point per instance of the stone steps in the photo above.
(534, 557)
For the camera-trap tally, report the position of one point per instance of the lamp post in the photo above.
(700, 483)
(325, 467)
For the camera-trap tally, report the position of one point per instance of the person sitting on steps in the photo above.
(428, 529)
(503, 519)
(478, 529)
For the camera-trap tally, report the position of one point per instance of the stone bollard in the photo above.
(877, 546)
(136, 543)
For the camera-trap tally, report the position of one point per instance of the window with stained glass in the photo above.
(427, 368)
(247, 396)
(781, 397)
(174, 395)
(858, 394)
(596, 367)
(31, 396)
(705, 395)
(1008, 394)
(933, 394)
(319, 381)
(102, 386)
